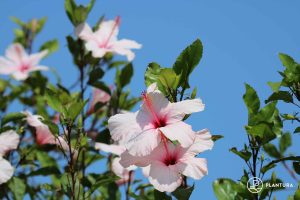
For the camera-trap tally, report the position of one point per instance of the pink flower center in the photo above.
(158, 121)
(170, 160)
(105, 43)
(24, 67)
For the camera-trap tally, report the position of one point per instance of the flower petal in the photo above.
(20, 76)
(107, 30)
(34, 59)
(16, 53)
(6, 170)
(6, 66)
(179, 109)
(9, 140)
(164, 178)
(143, 143)
(84, 32)
(38, 68)
(123, 126)
(159, 106)
(44, 135)
(181, 132)
(128, 44)
(127, 160)
(193, 167)
(33, 120)
(202, 142)
(123, 52)
(112, 148)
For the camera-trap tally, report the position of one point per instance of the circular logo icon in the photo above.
(254, 185)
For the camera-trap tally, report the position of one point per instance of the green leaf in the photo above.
(194, 93)
(12, 117)
(45, 171)
(40, 24)
(102, 86)
(297, 130)
(169, 80)
(266, 114)
(183, 193)
(51, 46)
(292, 158)
(296, 166)
(96, 74)
(285, 142)
(17, 187)
(246, 155)
(18, 21)
(74, 109)
(281, 95)
(187, 61)
(77, 14)
(251, 100)
(271, 150)
(267, 168)
(45, 159)
(261, 131)
(297, 194)
(54, 101)
(152, 73)
(286, 60)
(103, 179)
(224, 189)
(125, 75)
(103, 137)
(274, 86)
(69, 7)
(161, 195)
(216, 137)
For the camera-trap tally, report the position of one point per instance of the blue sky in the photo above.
(241, 41)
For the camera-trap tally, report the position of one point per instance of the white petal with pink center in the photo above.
(167, 163)
(105, 40)
(19, 64)
(142, 131)
(43, 133)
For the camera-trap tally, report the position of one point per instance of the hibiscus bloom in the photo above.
(158, 118)
(168, 162)
(105, 39)
(19, 64)
(99, 96)
(9, 140)
(125, 174)
(43, 133)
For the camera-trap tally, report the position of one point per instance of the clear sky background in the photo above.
(241, 41)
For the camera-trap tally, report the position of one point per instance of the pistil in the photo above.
(149, 106)
(116, 24)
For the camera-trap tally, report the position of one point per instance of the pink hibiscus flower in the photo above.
(43, 133)
(9, 140)
(19, 64)
(157, 119)
(168, 162)
(105, 40)
(125, 174)
(99, 96)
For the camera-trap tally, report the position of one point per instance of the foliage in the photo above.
(264, 128)
(76, 122)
